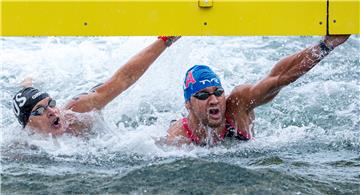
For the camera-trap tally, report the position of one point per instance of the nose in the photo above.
(50, 112)
(213, 100)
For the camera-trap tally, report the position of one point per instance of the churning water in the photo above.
(307, 139)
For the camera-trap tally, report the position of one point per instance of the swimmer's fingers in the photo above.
(27, 82)
(335, 40)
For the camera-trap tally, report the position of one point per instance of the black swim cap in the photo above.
(24, 101)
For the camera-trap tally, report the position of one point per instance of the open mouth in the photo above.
(56, 123)
(214, 113)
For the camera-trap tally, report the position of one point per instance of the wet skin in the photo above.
(210, 111)
(50, 122)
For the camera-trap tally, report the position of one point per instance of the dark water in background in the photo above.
(307, 139)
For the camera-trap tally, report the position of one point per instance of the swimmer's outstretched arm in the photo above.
(123, 78)
(284, 72)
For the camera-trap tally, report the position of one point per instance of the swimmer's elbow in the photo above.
(82, 105)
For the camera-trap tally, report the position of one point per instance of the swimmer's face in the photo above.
(209, 111)
(46, 118)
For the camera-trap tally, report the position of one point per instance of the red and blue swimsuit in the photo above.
(229, 131)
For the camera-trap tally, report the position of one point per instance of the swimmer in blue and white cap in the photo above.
(38, 111)
(213, 117)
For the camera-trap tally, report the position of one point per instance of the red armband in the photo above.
(168, 40)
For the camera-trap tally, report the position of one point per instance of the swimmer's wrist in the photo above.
(169, 40)
(325, 49)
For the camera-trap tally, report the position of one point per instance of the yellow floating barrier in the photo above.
(178, 17)
(344, 17)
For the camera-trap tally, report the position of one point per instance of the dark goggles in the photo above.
(39, 111)
(203, 95)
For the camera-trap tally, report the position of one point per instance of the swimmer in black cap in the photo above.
(213, 117)
(37, 110)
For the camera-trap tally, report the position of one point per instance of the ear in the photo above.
(188, 105)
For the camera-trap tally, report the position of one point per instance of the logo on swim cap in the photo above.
(210, 81)
(36, 95)
(24, 101)
(189, 79)
(197, 78)
(18, 102)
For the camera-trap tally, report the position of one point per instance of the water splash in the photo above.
(300, 132)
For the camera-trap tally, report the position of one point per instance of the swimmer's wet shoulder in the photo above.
(79, 124)
(176, 134)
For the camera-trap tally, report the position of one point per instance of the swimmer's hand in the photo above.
(169, 40)
(333, 41)
(27, 82)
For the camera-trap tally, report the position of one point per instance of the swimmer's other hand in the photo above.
(27, 82)
(333, 41)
